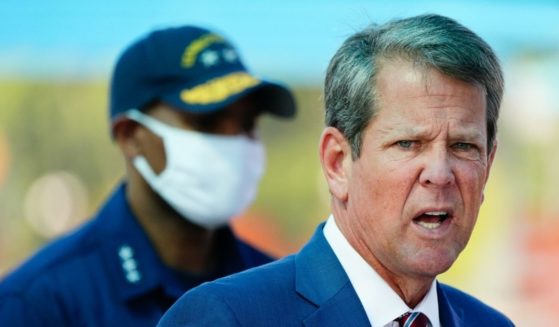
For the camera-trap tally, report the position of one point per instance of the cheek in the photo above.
(471, 180)
(380, 192)
(154, 151)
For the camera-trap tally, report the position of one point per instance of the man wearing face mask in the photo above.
(183, 111)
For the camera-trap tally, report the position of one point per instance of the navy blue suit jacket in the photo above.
(307, 289)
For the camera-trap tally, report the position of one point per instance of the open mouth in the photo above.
(432, 219)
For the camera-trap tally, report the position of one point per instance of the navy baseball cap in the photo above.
(192, 69)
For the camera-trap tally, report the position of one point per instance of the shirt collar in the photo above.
(131, 260)
(381, 303)
(133, 263)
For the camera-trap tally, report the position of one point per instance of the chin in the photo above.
(436, 263)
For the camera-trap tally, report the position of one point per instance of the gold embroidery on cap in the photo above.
(196, 46)
(218, 89)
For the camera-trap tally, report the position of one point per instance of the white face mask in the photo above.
(208, 178)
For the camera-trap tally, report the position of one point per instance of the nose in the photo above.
(437, 169)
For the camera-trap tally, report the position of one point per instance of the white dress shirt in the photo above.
(381, 303)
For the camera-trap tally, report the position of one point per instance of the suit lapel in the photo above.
(448, 315)
(321, 280)
(343, 309)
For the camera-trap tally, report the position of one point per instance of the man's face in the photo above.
(238, 118)
(416, 189)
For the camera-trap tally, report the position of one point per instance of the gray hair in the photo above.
(431, 41)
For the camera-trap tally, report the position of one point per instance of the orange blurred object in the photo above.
(540, 268)
(260, 231)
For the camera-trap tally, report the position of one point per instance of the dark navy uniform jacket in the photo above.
(106, 274)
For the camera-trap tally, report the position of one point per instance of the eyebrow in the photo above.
(461, 133)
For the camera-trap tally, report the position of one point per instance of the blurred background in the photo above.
(58, 163)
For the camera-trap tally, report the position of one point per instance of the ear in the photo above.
(335, 158)
(124, 133)
(490, 158)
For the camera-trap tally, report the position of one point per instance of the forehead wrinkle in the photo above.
(399, 128)
(442, 101)
(459, 130)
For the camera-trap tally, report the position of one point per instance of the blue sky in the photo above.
(284, 39)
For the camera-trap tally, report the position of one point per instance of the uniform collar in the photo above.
(132, 262)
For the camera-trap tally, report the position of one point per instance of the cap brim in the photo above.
(219, 92)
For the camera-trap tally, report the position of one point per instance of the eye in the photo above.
(405, 144)
(464, 146)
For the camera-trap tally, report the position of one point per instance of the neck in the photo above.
(411, 289)
(180, 245)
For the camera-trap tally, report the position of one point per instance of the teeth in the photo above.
(429, 225)
(436, 213)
